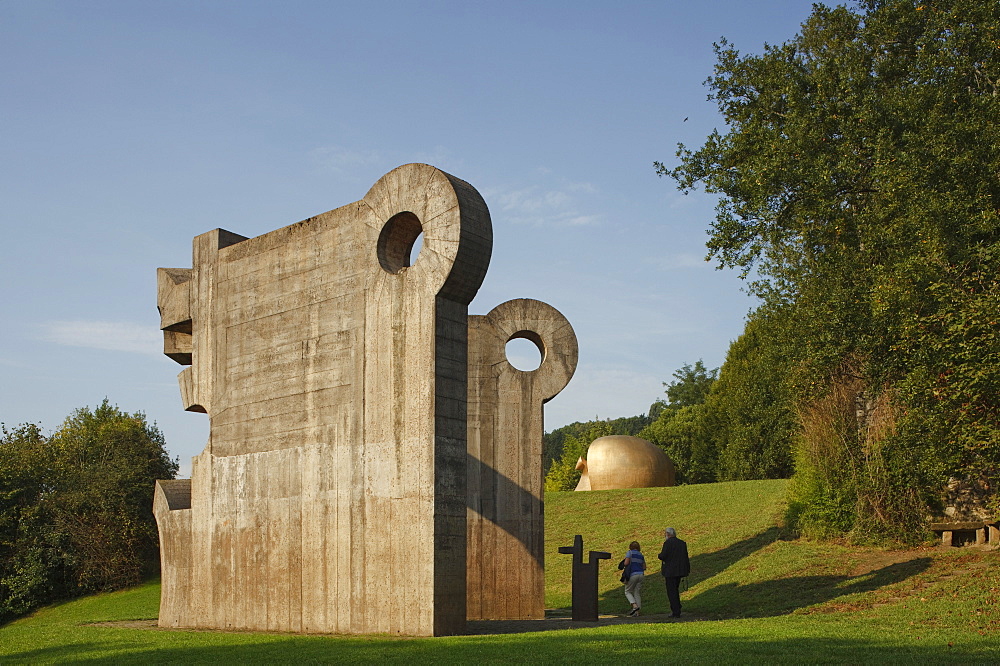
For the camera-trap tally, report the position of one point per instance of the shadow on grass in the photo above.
(760, 599)
(784, 595)
(707, 565)
(703, 567)
(656, 644)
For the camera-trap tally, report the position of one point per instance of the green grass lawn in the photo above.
(755, 594)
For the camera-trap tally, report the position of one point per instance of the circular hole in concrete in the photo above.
(525, 351)
(397, 240)
(418, 245)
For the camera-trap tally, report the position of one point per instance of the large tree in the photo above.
(750, 414)
(859, 180)
(681, 427)
(76, 507)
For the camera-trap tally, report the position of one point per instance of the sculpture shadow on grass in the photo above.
(785, 595)
(707, 565)
(758, 599)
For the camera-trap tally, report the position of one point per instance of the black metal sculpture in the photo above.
(584, 580)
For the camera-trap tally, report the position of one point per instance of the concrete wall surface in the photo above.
(506, 572)
(334, 492)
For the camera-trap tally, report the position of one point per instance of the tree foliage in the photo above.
(691, 385)
(563, 475)
(681, 428)
(684, 436)
(858, 178)
(554, 443)
(76, 507)
(750, 415)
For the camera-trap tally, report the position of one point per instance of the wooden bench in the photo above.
(986, 532)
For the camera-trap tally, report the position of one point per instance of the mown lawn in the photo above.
(755, 594)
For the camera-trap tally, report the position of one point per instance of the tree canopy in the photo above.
(858, 183)
(680, 428)
(76, 506)
(691, 385)
(749, 411)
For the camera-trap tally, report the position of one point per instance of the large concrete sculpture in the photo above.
(621, 461)
(361, 422)
(506, 530)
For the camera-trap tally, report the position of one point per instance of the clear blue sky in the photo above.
(127, 128)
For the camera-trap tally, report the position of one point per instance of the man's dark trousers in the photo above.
(674, 594)
(676, 565)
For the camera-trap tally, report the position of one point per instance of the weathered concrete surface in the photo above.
(331, 496)
(621, 461)
(506, 575)
(374, 463)
(986, 532)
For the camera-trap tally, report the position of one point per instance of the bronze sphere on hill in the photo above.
(621, 461)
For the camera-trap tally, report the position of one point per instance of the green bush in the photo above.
(563, 474)
(76, 507)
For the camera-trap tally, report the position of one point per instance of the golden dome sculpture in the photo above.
(621, 461)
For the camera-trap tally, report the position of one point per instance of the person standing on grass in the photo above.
(676, 565)
(635, 573)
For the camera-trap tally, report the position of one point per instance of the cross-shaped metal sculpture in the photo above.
(584, 579)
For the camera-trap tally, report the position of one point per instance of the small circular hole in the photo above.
(397, 240)
(525, 351)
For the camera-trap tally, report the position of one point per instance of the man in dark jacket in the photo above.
(676, 565)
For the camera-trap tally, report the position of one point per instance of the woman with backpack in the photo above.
(633, 574)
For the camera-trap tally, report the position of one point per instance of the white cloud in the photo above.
(553, 205)
(581, 220)
(109, 335)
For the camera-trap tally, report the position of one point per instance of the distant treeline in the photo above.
(553, 441)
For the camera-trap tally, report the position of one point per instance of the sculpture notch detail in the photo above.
(373, 463)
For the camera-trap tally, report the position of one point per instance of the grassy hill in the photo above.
(744, 565)
(722, 523)
(755, 593)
